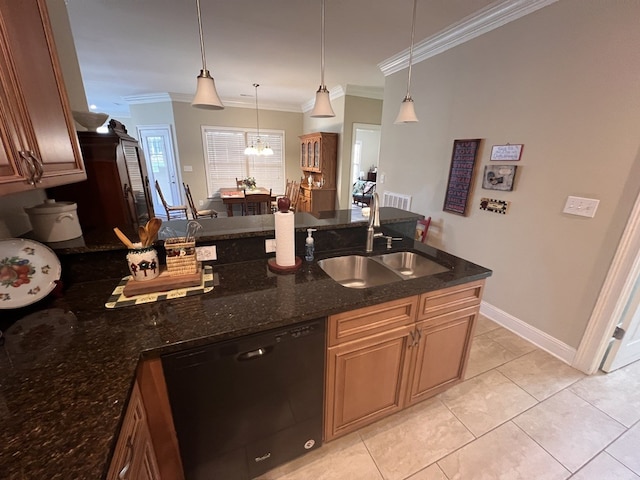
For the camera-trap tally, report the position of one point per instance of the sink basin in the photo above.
(355, 271)
(410, 265)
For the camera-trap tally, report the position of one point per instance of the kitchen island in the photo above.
(63, 394)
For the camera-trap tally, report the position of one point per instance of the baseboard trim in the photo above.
(539, 338)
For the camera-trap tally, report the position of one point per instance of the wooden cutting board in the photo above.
(162, 283)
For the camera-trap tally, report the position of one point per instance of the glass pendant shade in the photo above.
(206, 95)
(407, 113)
(322, 107)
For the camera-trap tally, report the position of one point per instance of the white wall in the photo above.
(564, 82)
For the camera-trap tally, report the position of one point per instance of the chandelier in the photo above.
(258, 148)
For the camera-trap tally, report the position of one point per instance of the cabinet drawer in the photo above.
(449, 299)
(372, 320)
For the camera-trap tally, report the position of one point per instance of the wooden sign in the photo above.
(506, 152)
(461, 172)
(493, 205)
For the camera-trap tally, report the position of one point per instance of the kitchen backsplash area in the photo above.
(14, 222)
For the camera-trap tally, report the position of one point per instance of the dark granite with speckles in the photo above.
(63, 389)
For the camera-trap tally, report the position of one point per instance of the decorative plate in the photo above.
(28, 272)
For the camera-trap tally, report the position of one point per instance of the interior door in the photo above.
(626, 350)
(156, 141)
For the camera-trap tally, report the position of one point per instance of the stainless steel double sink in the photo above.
(357, 271)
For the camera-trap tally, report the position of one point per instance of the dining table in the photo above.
(234, 196)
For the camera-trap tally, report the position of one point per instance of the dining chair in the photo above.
(294, 196)
(287, 193)
(194, 211)
(169, 208)
(240, 184)
(256, 203)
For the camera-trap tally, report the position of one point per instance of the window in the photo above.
(225, 159)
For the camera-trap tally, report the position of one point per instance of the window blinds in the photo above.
(226, 161)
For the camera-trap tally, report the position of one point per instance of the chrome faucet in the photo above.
(374, 222)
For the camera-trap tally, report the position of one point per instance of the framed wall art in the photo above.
(461, 172)
(506, 153)
(499, 177)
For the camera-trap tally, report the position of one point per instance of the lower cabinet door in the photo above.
(134, 457)
(442, 351)
(366, 379)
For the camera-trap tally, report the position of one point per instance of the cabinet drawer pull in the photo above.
(122, 475)
(38, 167)
(413, 338)
(32, 170)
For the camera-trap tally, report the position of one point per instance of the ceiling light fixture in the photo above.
(206, 96)
(258, 148)
(407, 112)
(322, 107)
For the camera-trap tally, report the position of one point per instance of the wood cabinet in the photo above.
(383, 358)
(37, 133)
(367, 365)
(318, 160)
(134, 457)
(117, 191)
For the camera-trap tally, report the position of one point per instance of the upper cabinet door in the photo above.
(37, 129)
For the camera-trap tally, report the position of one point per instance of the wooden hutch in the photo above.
(318, 160)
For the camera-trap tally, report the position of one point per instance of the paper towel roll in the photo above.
(285, 239)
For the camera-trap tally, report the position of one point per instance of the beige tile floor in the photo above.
(519, 414)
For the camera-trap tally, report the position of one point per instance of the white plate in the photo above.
(28, 272)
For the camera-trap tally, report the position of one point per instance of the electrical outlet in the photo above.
(584, 207)
(187, 168)
(270, 245)
(201, 203)
(205, 253)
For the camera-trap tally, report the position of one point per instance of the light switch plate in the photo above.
(205, 253)
(584, 207)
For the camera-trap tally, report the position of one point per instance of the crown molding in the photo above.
(489, 18)
(186, 98)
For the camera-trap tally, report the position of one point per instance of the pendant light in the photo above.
(407, 112)
(322, 107)
(258, 148)
(206, 96)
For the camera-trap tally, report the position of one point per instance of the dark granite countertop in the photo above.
(62, 393)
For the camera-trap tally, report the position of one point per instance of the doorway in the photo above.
(617, 307)
(157, 144)
(365, 150)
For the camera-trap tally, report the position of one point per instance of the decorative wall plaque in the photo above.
(507, 152)
(461, 172)
(493, 205)
(499, 177)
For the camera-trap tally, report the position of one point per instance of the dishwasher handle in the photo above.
(254, 354)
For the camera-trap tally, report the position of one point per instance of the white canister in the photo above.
(54, 221)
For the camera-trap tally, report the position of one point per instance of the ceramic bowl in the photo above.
(90, 120)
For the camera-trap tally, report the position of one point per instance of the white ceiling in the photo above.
(141, 47)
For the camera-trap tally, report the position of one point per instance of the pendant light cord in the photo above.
(413, 32)
(257, 117)
(204, 61)
(322, 49)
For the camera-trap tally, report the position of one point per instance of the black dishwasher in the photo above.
(243, 406)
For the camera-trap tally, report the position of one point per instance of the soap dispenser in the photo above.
(309, 246)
